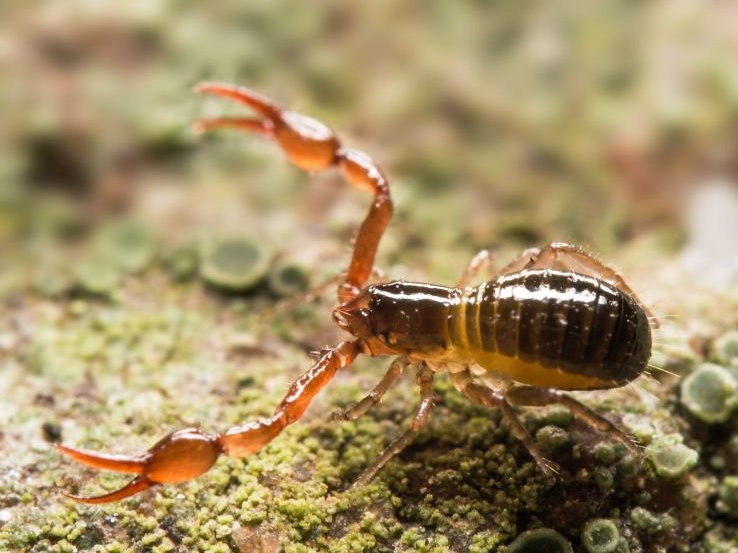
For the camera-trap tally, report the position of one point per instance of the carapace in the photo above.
(554, 319)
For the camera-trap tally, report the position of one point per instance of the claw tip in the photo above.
(135, 486)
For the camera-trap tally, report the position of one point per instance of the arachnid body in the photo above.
(554, 319)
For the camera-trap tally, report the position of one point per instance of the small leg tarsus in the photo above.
(424, 378)
(340, 415)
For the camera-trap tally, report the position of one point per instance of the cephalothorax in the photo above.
(554, 319)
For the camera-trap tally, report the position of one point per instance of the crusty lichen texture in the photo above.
(500, 125)
(116, 373)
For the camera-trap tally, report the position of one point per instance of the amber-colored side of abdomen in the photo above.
(552, 328)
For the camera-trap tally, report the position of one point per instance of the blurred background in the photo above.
(500, 125)
(140, 264)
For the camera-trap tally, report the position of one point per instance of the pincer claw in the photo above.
(179, 456)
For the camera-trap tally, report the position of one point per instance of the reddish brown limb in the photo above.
(565, 257)
(312, 146)
(249, 438)
(521, 262)
(482, 260)
(189, 453)
(133, 487)
(482, 395)
(375, 396)
(259, 126)
(560, 256)
(361, 171)
(530, 395)
(425, 383)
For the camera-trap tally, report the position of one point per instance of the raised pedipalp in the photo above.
(313, 146)
(259, 103)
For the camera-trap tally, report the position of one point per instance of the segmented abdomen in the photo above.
(582, 329)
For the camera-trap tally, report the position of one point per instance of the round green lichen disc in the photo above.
(670, 457)
(541, 540)
(709, 393)
(286, 280)
(600, 536)
(131, 245)
(234, 264)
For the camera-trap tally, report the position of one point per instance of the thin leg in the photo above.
(565, 257)
(425, 382)
(312, 146)
(480, 261)
(375, 396)
(530, 395)
(482, 395)
(523, 261)
(188, 453)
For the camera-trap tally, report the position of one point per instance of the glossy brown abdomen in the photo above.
(553, 328)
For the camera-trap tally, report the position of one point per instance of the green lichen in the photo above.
(651, 523)
(725, 348)
(287, 279)
(129, 245)
(670, 457)
(709, 393)
(182, 263)
(234, 264)
(98, 276)
(728, 493)
(542, 539)
(552, 438)
(600, 536)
